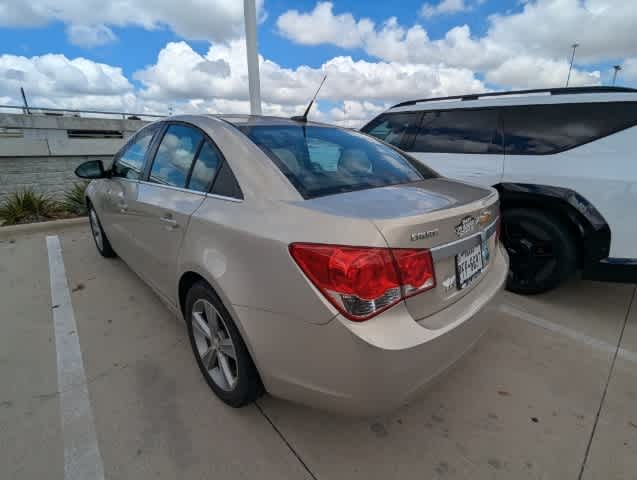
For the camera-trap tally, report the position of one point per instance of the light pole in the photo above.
(617, 68)
(250, 18)
(575, 45)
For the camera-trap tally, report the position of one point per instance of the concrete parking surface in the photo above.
(549, 392)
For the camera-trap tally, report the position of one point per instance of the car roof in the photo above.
(521, 97)
(244, 120)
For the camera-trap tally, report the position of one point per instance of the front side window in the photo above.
(321, 161)
(547, 129)
(458, 131)
(130, 162)
(175, 155)
(392, 127)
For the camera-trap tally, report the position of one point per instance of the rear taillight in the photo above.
(363, 281)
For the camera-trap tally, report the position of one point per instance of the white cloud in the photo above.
(56, 81)
(429, 10)
(322, 26)
(89, 36)
(177, 76)
(354, 113)
(536, 40)
(533, 72)
(628, 72)
(215, 20)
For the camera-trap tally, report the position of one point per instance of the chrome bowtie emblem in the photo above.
(467, 225)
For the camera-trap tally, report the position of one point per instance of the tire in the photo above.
(542, 251)
(234, 380)
(99, 237)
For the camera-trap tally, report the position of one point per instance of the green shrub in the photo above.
(27, 206)
(75, 199)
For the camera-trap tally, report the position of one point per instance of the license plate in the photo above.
(468, 265)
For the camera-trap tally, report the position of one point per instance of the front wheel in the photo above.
(541, 249)
(101, 241)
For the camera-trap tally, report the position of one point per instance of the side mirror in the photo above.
(92, 169)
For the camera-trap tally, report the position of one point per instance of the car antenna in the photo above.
(303, 118)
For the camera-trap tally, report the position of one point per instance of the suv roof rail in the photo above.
(552, 91)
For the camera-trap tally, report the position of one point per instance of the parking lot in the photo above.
(549, 392)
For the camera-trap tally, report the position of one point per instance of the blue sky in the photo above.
(379, 52)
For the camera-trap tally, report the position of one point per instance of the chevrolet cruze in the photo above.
(313, 262)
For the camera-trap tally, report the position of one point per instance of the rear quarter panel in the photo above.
(241, 248)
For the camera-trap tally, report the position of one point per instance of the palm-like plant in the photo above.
(27, 206)
(75, 199)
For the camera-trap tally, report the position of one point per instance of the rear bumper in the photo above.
(612, 270)
(371, 367)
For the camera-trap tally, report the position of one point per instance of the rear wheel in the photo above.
(221, 353)
(101, 241)
(541, 249)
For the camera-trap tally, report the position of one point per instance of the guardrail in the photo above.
(61, 111)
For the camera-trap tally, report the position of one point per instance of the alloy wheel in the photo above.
(97, 230)
(215, 347)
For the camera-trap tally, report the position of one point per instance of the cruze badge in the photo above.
(466, 226)
(424, 235)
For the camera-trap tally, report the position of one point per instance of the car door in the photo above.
(184, 166)
(117, 216)
(465, 144)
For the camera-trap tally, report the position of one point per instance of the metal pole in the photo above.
(250, 16)
(24, 99)
(575, 45)
(617, 68)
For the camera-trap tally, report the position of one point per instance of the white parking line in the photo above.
(82, 459)
(567, 332)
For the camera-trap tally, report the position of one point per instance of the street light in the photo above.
(617, 68)
(575, 45)
(250, 18)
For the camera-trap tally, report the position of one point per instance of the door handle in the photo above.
(170, 222)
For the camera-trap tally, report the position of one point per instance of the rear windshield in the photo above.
(322, 161)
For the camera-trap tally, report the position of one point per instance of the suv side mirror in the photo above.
(92, 169)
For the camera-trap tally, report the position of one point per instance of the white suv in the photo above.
(563, 161)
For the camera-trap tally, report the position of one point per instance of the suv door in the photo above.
(121, 192)
(184, 166)
(463, 144)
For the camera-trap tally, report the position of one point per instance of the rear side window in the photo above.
(547, 129)
(130, 162)
(205, 168)
(321, 161)
(226, 184)
(175, 155)
(459, 131)
(392, 127)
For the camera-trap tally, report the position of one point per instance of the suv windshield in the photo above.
(323, 160)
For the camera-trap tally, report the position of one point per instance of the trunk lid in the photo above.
(446, 216)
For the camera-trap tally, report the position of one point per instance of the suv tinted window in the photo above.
(174, 156)
(324, 160)
(459, 131)
(205, 168)
(392, 127)
(546, 129)
(130, 162)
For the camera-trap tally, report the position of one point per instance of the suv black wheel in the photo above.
(541, 249)
(221, 353)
